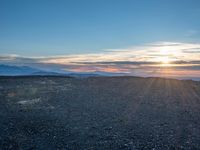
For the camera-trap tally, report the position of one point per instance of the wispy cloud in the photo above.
(145, 60)
(149, 53)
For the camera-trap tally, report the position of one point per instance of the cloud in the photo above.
(146, 53)
(191, 50)
(143, 60)
(140, 55)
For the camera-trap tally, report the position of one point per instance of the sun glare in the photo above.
(165, 60)
(164, 56)
(165, 50)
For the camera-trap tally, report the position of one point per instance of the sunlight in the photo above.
(165, 60)
(164, 57)
(165, 50)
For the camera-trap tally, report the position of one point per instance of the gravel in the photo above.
(99, 113)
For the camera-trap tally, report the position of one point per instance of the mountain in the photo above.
(79, 74)
(6, 70)
(94, 74)
(45, 73)
(16, 70)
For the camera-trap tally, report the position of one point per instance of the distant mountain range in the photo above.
(6, 70)
(17, 70)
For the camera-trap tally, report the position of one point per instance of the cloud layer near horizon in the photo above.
(168, 59)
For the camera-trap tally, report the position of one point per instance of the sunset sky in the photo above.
(134, 37)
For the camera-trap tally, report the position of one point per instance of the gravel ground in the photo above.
(99, 113)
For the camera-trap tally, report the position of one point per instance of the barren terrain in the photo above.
(99, 113)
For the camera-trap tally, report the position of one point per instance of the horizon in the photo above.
(156, 38)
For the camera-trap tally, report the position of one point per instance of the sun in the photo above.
(165, 60)
(164, 50)
(164, 56)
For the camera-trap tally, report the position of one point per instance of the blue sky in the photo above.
(60, 27)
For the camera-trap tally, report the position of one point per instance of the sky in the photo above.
(136, 37)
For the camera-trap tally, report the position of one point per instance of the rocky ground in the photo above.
(102, 113)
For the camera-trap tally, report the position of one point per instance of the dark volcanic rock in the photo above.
(99, 113)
